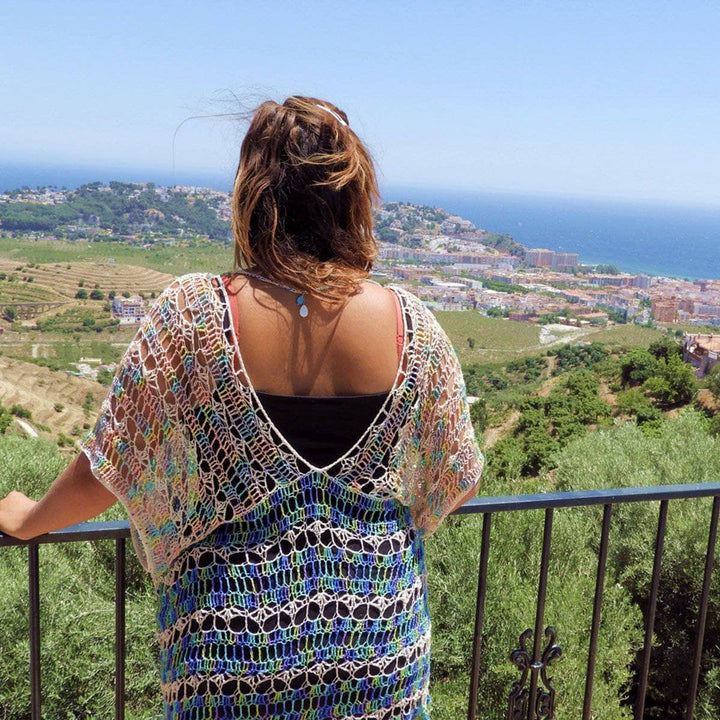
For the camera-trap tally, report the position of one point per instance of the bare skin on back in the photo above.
(345, 348)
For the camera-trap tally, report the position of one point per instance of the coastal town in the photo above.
(444, 259)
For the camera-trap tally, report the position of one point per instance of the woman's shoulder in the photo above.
(417, 309)
(184, 289)
(182, 299)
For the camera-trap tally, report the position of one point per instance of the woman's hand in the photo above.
(74, 497)
(15, 508)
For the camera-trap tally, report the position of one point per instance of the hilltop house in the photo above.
(129, 311)
(702, 352)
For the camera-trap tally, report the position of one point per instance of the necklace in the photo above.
(300, 301)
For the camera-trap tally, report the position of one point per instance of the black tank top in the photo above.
(322, 429)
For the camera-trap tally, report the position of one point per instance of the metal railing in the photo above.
(118, 531)
(537, 701)
(532, 696)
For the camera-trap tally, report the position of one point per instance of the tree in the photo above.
(664, 348)
(637, 366)
(478, 414)
(681, 379)
(96, 295)
(10, 314)
(81, 295)
(674, 383)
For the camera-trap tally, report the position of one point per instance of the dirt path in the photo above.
(26, 427)
(493, 434)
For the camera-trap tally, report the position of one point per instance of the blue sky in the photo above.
(607, 99)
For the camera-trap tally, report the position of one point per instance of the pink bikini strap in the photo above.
(399, 326)
(227, 279)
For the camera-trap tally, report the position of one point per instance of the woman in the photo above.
(282, 439)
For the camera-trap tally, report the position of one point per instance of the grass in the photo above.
(496, 340)
(207, 257)
(625, 335)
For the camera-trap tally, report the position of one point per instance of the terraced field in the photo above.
(66, 279)
(15, 292)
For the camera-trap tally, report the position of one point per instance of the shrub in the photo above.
(21, 412)
(680, 451)
(452, 560)
(5, 419)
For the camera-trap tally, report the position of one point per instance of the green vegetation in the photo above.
(121, 209)
(78, 319)
(187, 257)
(681, 452)
(77, 610)
(712, 382)
(661, 373)
(505, 287)
(495, 340)
(547, 424)
(573, 357)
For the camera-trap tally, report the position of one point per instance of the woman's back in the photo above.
(346, 348)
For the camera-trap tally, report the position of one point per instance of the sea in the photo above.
(638, 237)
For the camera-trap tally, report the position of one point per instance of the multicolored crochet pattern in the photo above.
(286, 591)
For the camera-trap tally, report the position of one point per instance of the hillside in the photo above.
(34, 282)
(116, 210)
(63, 404)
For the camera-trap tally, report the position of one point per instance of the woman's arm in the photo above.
(469, 495)
(74, 497)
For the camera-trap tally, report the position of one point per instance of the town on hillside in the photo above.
(443, 258)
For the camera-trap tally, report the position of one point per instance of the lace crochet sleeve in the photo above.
(443, 460)
(137, 449)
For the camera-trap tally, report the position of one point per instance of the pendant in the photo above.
(304, 312)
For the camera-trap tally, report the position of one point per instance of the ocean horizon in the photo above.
(635, 236)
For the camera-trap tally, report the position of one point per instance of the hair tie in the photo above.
(333, 113)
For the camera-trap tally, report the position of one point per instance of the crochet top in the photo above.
(184, 443)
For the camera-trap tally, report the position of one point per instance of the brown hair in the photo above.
(303, 198)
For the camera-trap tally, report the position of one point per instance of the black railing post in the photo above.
(479, 612)
(702, 615)
(650, 622)
(120, 629)
(597, 610)
(537, 664)
(34, 602)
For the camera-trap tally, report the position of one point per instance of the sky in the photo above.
(611, 99)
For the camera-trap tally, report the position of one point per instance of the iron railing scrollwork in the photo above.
(520, 700)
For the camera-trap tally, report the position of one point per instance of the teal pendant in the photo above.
(303, 307)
